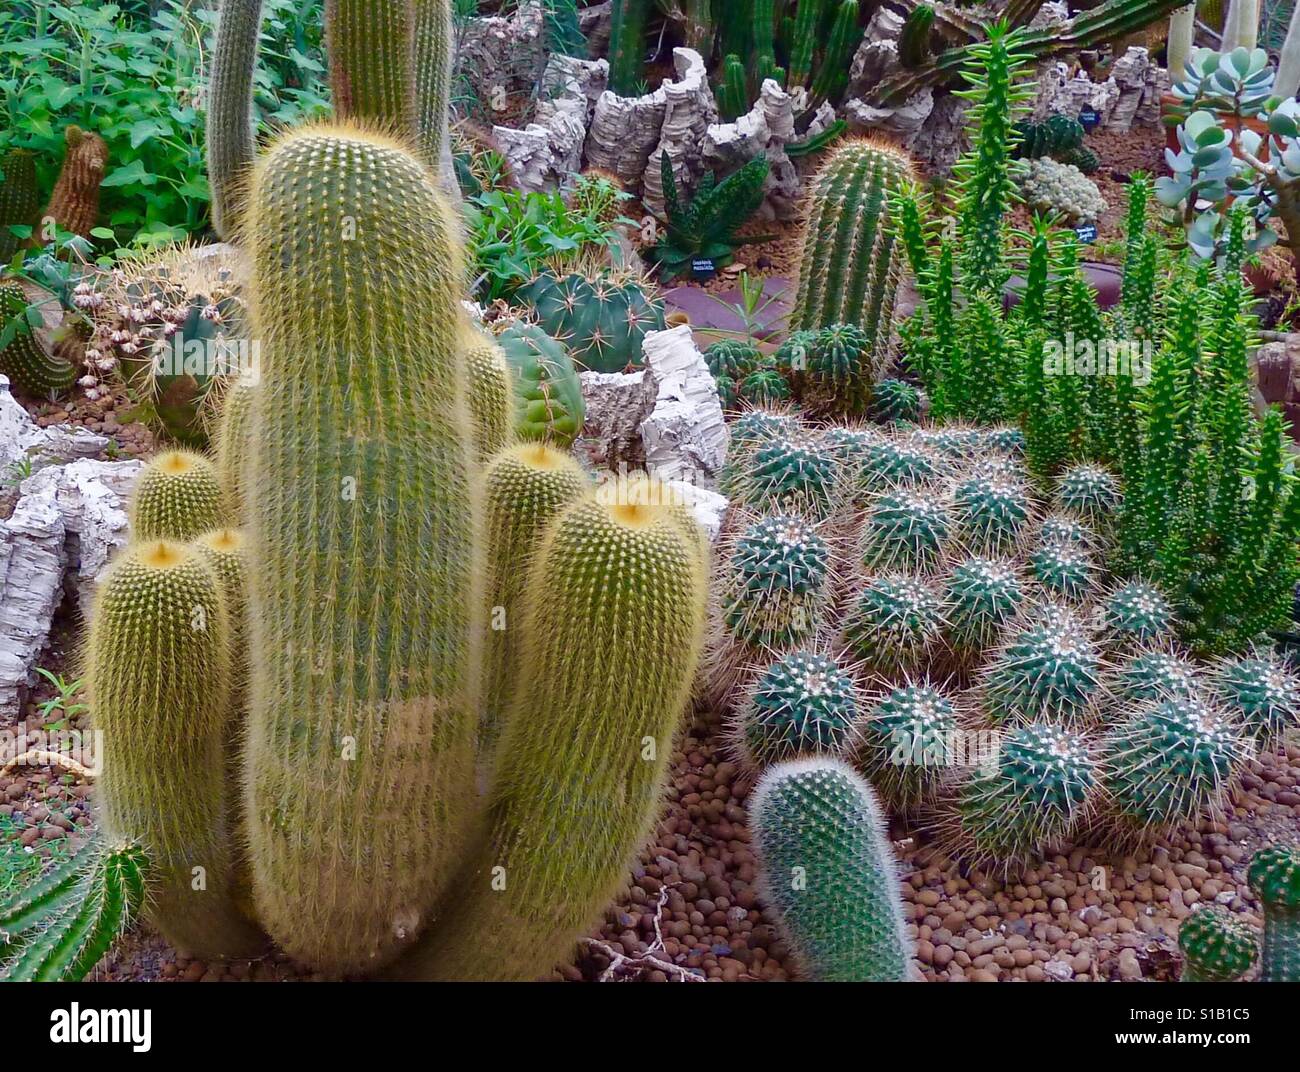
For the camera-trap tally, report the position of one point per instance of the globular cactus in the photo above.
(1136, 613)
(801, 704)
(962, 445)
(894, 621)
(733, 357)
(24, 360)
(762, 387)
(751, 430)
(74, 204)
(895, 402)
(1169, 760)
(1218, 946)
(1039, 786)
(1055, 136)
(1150, 675)
(1274, 875)
(903, 742)
(602, 322)
(852, 258)
(827, 869)
(1004, 439)
(177, 497)
(231, 441)
(1089, 493)
(612, 629)
(1064, 529)
(491, 394)
(547, 392)
(905, 530)
(365, 710)
(891, 463)
(991, 514)
(159, 673)
(527, 485)
(229, 130)
(18, 199)
(843, 365)
(791, 476)
(1261, 690)
(1064, 570)
(981, 596)
(1048, 667)
(84, 906)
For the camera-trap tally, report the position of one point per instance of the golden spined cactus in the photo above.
(491, 401)
(612, 629)
(159, 675)
(231, 443)
(367, 594)
(74, 204)
(177, 497)
(371, 60)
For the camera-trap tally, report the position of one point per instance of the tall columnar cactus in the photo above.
(526, 487)
(828, 870)
(491, 394)
(159, 678)
(434, 45)
(1218, 946)
(612, 629)
(365, 709)
(24, 360)
(627, 45)
(178, 496)
(371, 60)
(233, 435)
(803, 44)
(18, 199)
(230, 105)
(74, 204)
(852, 261)
(1274, 875)
(1182, 35)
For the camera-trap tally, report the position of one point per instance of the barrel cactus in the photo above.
(905, 530)
(1089, 493)
(903, 742)
(1065, 570)
(1148, 675)
(895, 402)
(24, 359)
(991, 515)
(178, 496)
(1274, 875)
(602, 321)
(1217, 945)
(1136, 613)
(491, 393)
(1047, 668)
(890, 463)
(894, 621)
(1261, 690)
(981, 596)
(790, 475)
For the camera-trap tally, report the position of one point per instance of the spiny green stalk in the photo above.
(627, 44)
(371, 60)
(19, 200)
(230, 106)
(24, 360)
(1274, 875)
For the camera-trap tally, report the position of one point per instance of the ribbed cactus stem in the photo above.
(627, 43)
(833, 72)
(177, 497)
(1182, 33)
(25, 361)
(74, 204)
(1242, 27)
(491, 398)
(1287, 82)
(372, 60)
(807, 22)
(762, 60)
(828, 870)
(1274, 876)
(611, 632)
(18, 199)
(231, 447)
(230, 107)
(434, 62)
(159, 677)
(367, 585)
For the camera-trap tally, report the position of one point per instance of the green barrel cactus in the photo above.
(364, 712)
(827, 869)
(894, 621)
(801, 704)
(1136, 613)
(981, 596)
(159, 675)
(19, 199)
(1168, 760)
(23, 359)
(601, 321)
(762, 387)
(1150, 675)
(903, 743)
(905, 530)
(1063, 529)
(1274, 875)
(895, 402)
(612, 630)
(843, 364)
(547, 392)
(177, 497)
(1262, 692)
(776, 582)
(891, 463)
(991, 514)
(1217, 945)
(735, 358)
(1064, 570)
(1048, 668)
(792, 476)
(1089, 493)
(491, 394)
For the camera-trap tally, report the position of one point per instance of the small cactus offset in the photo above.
(23, 359)
(828, 870)
(74, 204)
(177, 497)
(491, 394)
(1217, 946)
(1274, 875)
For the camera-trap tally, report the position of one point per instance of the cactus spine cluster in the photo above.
(24, 360)
(1274, 875)
(828, 870)
(364, 710)
(1217, 946)
(230, 105)
(491, 395)
(177, 497)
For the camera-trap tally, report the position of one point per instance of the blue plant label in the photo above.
(1087, 232)
(1088, 118)
(703, 268)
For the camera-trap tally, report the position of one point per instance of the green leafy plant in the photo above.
(705, 229)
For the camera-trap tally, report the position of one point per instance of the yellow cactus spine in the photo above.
(177, 497)
(491, 402)
(231, 446)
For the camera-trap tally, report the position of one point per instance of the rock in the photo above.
(1275, 364)
(689, 113)
(684, 436)
(765, 130)
(709, 508)
(616, 404)
(1129, 73)
(502, 53)
(1129, 969)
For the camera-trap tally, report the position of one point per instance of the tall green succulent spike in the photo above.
(231, 443)
(527, 486)
(159, 676)
(627, 45)
(803, 46)
(762, 60)
(1218, 946)
(841, 43)
(434, 45)
(24, 360)
(828, 870)
(102, 903)
(364, 704)
(1274, 875)
(852, 260)
(178, 496)
(733, 91)
(612, 629)
(491, 394)
(230, 106)
(371, 60)
(19, 199)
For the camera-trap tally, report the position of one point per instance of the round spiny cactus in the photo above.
(952, 441)
(893, 622)
(903, 742)
(893, 463)
(801, 704)
(732, 357)
(1136, 613)
(1064, 570)
(1218, 946)
(777, 579)
(1274, 875)
(1169, 760)
(1048, 668)
(1151, 675)
(1263, 692)
(794, 476)
(177, 497)
(991, 515)
(906, 530)
(762, 387)
(1063, 529)
(751, 430)
(1088, 492)
(980, 596)
(1039, 787)
(895, 402)
(838, 353)
(1007, 439)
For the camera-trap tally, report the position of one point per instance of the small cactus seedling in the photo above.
(803, 703)
(903, 742)
(828, 871)
(1151, 675)
(1088, 492)
(1170, 760)
(1262, 692)
(991, 515)
(1274, 875)
(794, 476)
(1218, 946)
(177, 497)
(905, 530)
(894, 621)
(777, 580)
(1048, 668)
(1136, 613)
(895, 402)
(1040, 787)
(1064, 570)
(980, 596)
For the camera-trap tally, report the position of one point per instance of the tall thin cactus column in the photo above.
(627, 45)
(230, 106)
(434, 64)
(1182, 33)
(371, 60)
(1287, 82)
